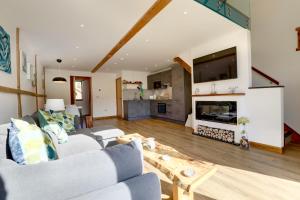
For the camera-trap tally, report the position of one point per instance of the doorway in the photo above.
(119, 97)
(81, 94)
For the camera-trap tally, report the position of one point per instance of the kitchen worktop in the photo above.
(149, 100)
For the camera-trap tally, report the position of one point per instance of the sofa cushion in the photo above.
(28, 144)
(72, 176)
(28, 119)
(145, 187)
(77, 144)
(58, 132)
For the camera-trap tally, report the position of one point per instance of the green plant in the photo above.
(243, 121)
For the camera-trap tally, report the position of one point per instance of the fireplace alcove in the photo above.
(217, 111)
(224, 112)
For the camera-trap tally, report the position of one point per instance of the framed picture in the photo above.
(23, 61)
(5, 62)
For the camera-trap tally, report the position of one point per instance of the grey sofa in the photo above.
(89, 167)
(110, 174)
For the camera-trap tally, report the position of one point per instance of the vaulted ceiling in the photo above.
(82, 32)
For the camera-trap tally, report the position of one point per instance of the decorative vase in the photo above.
(244, 142)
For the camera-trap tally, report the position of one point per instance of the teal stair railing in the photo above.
(237, 11)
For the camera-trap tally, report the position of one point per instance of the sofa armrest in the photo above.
(71, 176)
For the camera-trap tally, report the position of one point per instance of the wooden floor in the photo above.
(253, 174)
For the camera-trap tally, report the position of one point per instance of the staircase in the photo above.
(290, 135)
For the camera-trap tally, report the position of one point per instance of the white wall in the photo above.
(274, 43)
(240, 39)
(265, 110)
(9, 106)
(103, 90)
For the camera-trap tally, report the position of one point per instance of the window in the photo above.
(78, 90)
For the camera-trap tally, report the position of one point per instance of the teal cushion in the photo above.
(66, 121)
(50, 125)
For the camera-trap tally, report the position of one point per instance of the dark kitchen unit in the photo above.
(175, 109)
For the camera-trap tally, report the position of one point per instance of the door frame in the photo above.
(72, 94)
(120, 78)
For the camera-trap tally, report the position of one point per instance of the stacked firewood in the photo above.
(215, 133)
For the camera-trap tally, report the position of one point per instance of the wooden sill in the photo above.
(221, 94)
(298, 49)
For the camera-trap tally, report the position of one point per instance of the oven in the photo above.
(162, 108)
(157, 85)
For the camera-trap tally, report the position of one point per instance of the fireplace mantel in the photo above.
(219, 94)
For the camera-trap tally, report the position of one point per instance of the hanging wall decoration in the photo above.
(24, 61)
(5, 63)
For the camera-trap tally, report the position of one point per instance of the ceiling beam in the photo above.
(155, 9)
(183, 64)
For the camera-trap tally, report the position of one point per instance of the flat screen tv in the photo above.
(215, 67)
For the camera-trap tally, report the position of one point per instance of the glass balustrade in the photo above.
(237, 11)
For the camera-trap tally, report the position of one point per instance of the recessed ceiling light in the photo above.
(122, 58)
(168, 60)
(77, 47)
(81, 25)
(127, 54)
(185, 12)
(147, 40)
(115, 63)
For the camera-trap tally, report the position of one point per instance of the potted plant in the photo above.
(244, 142)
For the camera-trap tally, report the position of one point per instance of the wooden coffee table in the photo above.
(173, 168)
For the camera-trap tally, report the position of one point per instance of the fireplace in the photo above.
(217, 111)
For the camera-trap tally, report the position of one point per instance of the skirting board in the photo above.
(106, 117)
(267, 147)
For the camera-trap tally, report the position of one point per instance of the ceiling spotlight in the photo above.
(147, 40)
(122, 58)
(185, 12)
(77, 47)
(81, 25)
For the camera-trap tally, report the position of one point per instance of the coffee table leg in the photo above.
(177, 192)
(191, 195)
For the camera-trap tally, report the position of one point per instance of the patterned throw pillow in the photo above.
(66, 121)
(58, 131)
(28, 143)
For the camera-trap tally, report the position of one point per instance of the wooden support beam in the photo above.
(18, 71)
(36, 83)
(16, 91)
(298, 33)
(155, 9)
(183, 64)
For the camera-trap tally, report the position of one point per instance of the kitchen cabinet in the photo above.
(136, 109)
(164, 77)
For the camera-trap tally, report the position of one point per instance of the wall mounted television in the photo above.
(218, 66)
